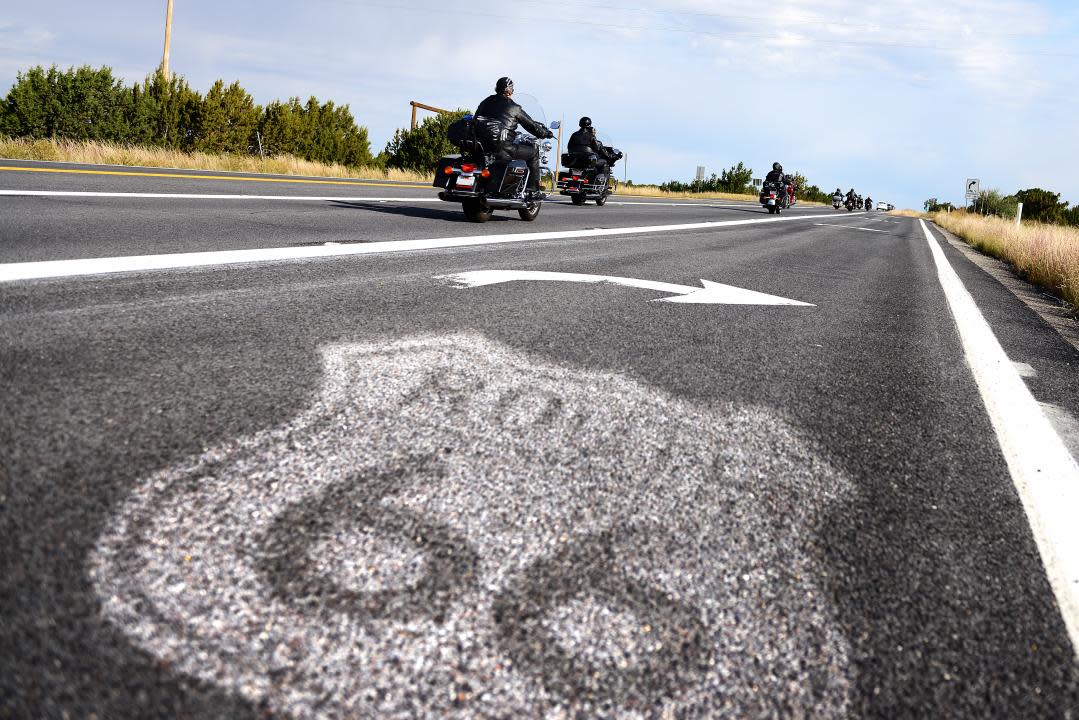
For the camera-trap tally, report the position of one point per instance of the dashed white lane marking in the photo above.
(846, 227)
(1043, 470)
(133, 263)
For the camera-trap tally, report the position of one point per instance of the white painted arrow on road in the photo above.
(711, 292)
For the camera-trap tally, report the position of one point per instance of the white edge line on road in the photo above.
(189, 196)
(1045, 474)
(323, 198)
(134, 263)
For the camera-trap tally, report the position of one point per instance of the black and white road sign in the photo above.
(974, 188)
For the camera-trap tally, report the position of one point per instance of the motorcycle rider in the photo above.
(869, 203)
(778, 176)
(500, 115)
(585, 142)
(851, 196)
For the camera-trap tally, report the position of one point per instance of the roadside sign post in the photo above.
(974, 189)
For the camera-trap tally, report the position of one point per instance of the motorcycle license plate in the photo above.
(466, 181)
(771, 201)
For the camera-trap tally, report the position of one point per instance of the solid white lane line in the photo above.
(189, 196)
(99, 266)
(845, 227)
(1044, 473)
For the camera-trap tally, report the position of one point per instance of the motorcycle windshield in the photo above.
(531, 106)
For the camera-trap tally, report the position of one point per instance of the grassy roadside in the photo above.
(98, 153)
(1046, 255)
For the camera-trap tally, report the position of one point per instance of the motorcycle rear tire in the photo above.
(577, 199)
(530, 213)
(601, 200)
(771, 209)
(476, 212)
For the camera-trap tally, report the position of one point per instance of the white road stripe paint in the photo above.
(135, 263)
(189, 196)
(846, 227)
(1043, 471)
(710, 293)
(1025, 370)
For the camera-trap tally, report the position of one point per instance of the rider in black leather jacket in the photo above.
(501, 108)
(585, 142)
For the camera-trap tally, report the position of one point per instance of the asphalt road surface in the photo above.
(290, 472)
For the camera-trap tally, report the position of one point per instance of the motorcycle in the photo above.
(483, 182)
(851, 203)
(837, 202)
(582, 179)
(774, 197)
(868, 204)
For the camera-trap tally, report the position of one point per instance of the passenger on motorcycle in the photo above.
(496, 122)
(585, 142)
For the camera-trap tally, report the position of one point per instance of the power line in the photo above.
(457, 12)
(801, 20)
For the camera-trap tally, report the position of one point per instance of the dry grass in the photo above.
(907, 213)
(1047, 255)
(99, 153)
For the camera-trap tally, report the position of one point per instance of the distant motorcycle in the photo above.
(852, 203)
(774, 197)
(483, 182)
(582, 179)
(868, 204)
(837, 201)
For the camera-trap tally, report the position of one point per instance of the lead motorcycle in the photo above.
(774, 196)
(483, 182)
(837, 201)
(582, 180)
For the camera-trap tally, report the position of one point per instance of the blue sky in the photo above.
(903, 100)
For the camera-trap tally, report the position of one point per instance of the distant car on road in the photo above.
(885, 206)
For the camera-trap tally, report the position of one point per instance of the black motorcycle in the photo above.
(482, 181)
(774, 197)
(583, 180)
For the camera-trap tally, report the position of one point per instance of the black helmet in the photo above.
(586, 122)
(504, 85)
(777, 167)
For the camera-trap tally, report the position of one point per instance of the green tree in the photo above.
(324, 133)
(736, 179)
(1071, 216)
(228, 120)
(1042, 205)
(78, 104)
(165, 112)
(993, 202)
(421, 148)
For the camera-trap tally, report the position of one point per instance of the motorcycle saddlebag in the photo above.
(441, 178)
(579, 161)
(506, 175)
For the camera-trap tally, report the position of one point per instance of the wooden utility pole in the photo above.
(168, 41)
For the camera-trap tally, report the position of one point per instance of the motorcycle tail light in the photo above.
(468, 168)
(447, 170)
(486, 173)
